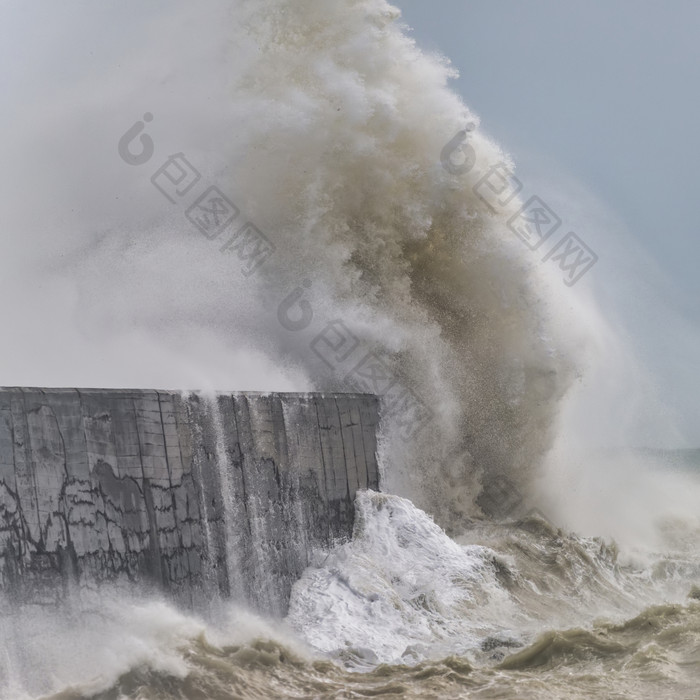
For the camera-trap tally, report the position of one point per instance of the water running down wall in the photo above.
(193, 495)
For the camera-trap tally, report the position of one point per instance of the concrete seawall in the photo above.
(195, 496)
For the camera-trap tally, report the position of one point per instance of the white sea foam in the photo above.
(87, 647)
(401, 591)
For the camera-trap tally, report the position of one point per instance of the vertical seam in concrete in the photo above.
(28, 451)
(323, 465)
(354, 451)
(62, 502)
(170, 481)
(242, 465)
(342, 442)
(138, 441)
(153, 544)
(20, 511)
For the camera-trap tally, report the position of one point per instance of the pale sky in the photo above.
(597, 102)
(599, 105)
(606, 89)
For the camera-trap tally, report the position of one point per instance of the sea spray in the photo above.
(401, 591)
(328, 141)
(344, 121)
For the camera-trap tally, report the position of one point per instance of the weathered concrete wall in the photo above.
(190, 494)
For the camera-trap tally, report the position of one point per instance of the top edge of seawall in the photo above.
(177, 392)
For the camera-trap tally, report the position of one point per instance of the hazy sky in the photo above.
(597, 102)
(606, 90)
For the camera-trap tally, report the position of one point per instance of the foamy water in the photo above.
(401, 610)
